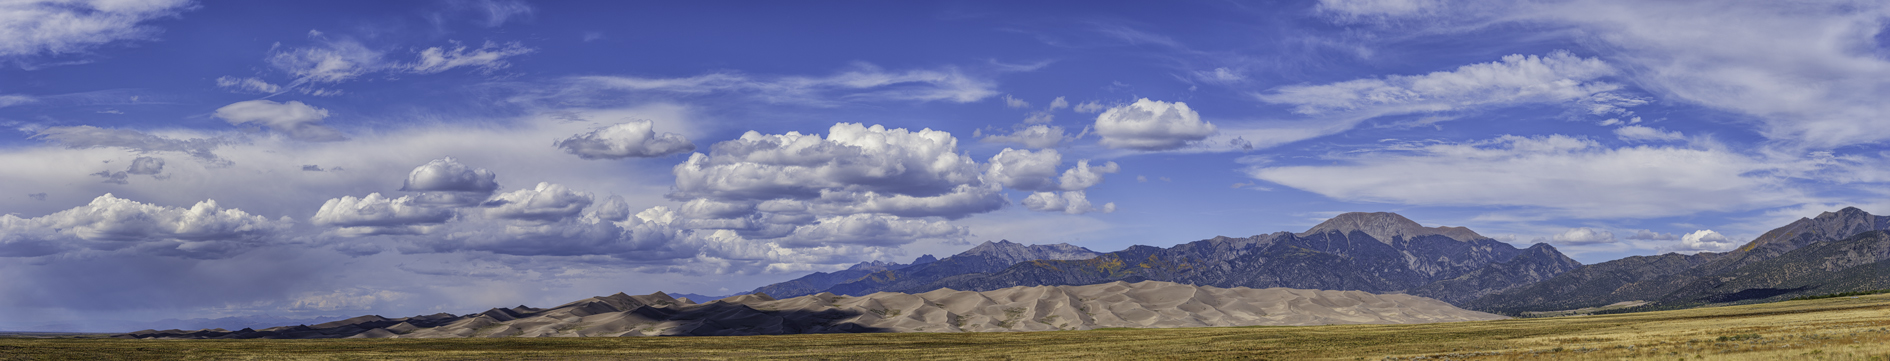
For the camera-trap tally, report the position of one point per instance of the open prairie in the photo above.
(1826, 329)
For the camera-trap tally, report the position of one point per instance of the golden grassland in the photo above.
(1826, 329)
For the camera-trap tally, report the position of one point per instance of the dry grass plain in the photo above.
(1826, 329)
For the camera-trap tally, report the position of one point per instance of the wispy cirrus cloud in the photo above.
(1813, 73)
(1561, 175)
(861, 82)
(51, 27)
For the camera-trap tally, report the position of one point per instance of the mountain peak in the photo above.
(1386, 225)
(924, 260)
(1013, 252)
(1832, 225)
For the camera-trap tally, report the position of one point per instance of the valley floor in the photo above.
(1827, 329)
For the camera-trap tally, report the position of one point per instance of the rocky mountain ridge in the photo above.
(1757, 271)
(1373, 252)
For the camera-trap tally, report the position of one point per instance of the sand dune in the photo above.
(1149, 304)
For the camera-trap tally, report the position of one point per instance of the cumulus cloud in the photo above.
(1089, 107)
(546, 202)
(375, 215)
(852, 157)
(1584, 235)
(447, 182)
(108, 223)
(38, 27)
(1636, 133)
(297, 120)
(86, 136)
(1151, 125)
(1705, 240)
(1083, 176)
(1035, 136)
(636, 138)
(863, 82)
(448, 175)
(1013, 102)
(1558, 77)
(1570, 176)
(770, 186)
(1024, 169)
(1058, 103)
(1071, 202)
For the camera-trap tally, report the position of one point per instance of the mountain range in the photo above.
(1372, 252)
(1842, 251)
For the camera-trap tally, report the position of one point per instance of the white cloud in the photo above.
(338, 60)
(1035, 136)
(1039, 117)
(1083, 176)
(773, 186)
(1151, 125)
(1058, 103)
(248, 84)
(1221, 75)
(1811, 73)
(35, 27)
(486, 58)
(7, 100)
(863, 82)
(1705, 240)
(1584, 235)
(1805, 70)
(86, 136)
(1636, 133)
(546, 202)
(1024, 170)
(636, 138)
(329, 62)
(1371, 8)
(108, 223)
(871, 230)
(448, 175)
(853, 157)
(1570, 176)
(375, 215)
(1070, 202)
(1013, 102)
(1089, 107)
(294, 119)
(1558, 77)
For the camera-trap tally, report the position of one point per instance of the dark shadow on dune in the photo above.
(730, 319)
(712, 319)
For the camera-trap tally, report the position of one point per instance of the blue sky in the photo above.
(341, 158)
